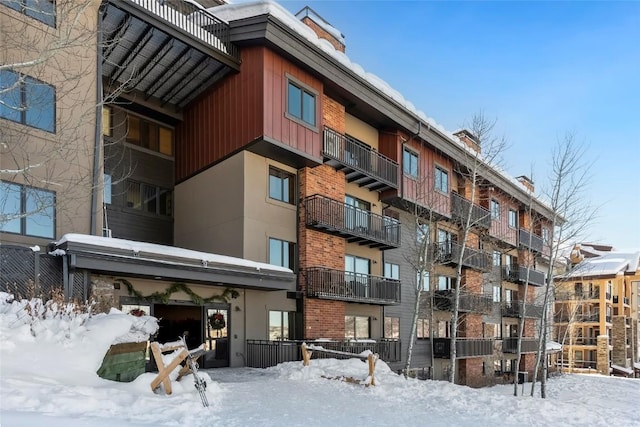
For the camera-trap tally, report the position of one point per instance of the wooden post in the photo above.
(164, 371)
(306, 354)
(372, 358)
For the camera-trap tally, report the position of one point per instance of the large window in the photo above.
(423, 328)
(410, 163)
(281, 253)
(495, 209)
(357, 327)
(281, 325)
(281, 185)
(42, 10)
(391, 271)
(442, 179)
(392, 327)
(26, 100)
(149, 135)
(149, 198)
(27, 210)
(513, 218)
(301, 103)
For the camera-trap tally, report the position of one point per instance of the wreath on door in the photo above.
(216, 321)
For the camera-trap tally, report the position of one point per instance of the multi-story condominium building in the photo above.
(245, 131)
(596, 316)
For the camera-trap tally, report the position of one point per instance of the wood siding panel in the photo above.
(223, 120)
(500, 227)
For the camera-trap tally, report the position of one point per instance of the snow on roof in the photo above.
(636, 365)
(236, 11)
(553, 346)
(622, 369)
(307, 12)
(170, 251)
(607, 264)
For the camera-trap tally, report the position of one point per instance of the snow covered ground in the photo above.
(49, 379)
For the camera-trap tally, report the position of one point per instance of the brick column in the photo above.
(619, 341)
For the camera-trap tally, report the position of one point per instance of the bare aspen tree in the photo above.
(566, 194)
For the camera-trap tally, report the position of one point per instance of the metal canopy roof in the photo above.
(164, 53)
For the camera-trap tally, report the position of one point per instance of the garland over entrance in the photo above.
(165, 296)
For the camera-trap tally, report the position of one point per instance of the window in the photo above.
(357, 214)
(357, 271)
(42, 10)
(392, 327)
(26, 100)
(281, 253)
(149, 198)
(423, 328)
(301, 103)
(495, 209)
(442, 180)
(425, 280)
(497, 293)
(27, 210)
(356, 327)
(422, 233)
(391, 271)
(545, 235)
(443, 329)
(107, 120)
(410, 163)
(513, 218)
(106, 189)
(491, 330)
(280, 323)
(497, 258)
(281, 185)
(149, 135)
(446, 283)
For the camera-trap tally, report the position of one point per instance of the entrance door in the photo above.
(216, 336)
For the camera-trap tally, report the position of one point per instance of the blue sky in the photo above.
(542, 69)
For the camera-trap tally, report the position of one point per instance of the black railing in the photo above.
(590, 317)
(585, 341)
(265, 353)
(465, 347)
(362, 164)
(515, 309)
(480, 217)
(341, 285)
(449, 253)
(577, 295)
(198, 23)
(527, 345)
(520, 274)
(469, 302)
(356, 224)
(529, 240)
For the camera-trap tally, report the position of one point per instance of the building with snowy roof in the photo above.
(237, 136)
(596, 311)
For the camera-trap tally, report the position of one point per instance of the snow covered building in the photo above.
(596, 311)
(246, 131)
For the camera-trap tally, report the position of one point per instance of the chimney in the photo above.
(469, 139)
(526, 183)
(322, 28)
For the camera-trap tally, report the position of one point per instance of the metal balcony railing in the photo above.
(265, 353)
(469, 302)
(480, 217)
(516, 308)
(360, 163)
(356, 225)
(341, 285)
(465, 347)
(530, 241)
(528, 345)
(520, 274)
(577, 295)
(449, 253)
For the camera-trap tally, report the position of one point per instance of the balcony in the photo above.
(470, 303)
(449, 253)
(480, 217)
(585, 341)
(518, 274)
(340, 285)
(265, 353)
(527, 345)
(530, 241)
(170, 51)
(515, 309)
(465, 347)
(577, 295)
(356, 225)
(359, 162)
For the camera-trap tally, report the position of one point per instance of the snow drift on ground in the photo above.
(48, 377)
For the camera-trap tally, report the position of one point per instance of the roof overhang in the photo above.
(158, 263)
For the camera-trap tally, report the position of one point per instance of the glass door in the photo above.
(216, 336)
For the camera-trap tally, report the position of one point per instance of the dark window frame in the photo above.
(301, 117)
(408, 167)
(24, 216)
(148, 137)
(391, 327)
(159, 191)
(494, 209)
(22, 85)
(291, 258)
(513, 218)
(440, 184)
(289, 190)
(28, 10)
(355, 319)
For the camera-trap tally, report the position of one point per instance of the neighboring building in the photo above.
(596, 311)
(260, 140)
